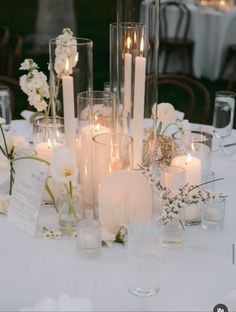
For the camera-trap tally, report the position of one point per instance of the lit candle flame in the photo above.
(141, 46)
(128, 43)
(76, 58)
(188, 159)
(67, 66)
(49, 143)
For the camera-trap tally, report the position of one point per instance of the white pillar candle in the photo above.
(44, 150)
(139, 94)
(69, 110)
(127, 84)
(85, 158)
(192, 166)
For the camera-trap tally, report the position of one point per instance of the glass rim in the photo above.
(86, 95)
(112, 134)
(225, 93)
(177, 168)
(89, 224)
(127, 25)
(80, 41)
(208, 136)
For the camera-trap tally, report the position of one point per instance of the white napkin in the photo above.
(26, 114)
(64, 303)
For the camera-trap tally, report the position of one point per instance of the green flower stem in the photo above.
(171, 124)
(69, 191)
(4, 140)
(30, 157)
(51, 194)
(159, 127)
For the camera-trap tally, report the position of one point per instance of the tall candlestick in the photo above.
(127, 84)
(139, 94)
(69, 110)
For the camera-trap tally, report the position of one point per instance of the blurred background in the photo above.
(28, 21)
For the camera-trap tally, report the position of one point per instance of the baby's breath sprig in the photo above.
(174, 202)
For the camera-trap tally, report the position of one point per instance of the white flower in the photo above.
(28, 64)
(165, 112)
(66, 50)
(63, 168)
(4, 168)
(41, 106)
(183, 125)
(2, 121)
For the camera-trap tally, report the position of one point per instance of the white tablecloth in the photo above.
(194, 278)
(212, 31)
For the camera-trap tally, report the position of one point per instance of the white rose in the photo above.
(165, 112)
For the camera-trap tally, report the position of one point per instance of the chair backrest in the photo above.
(4, 40)
(14, 56)
(201, 111)
(183, 19)
(15, 89)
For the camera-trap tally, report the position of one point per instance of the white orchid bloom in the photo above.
(63, 167)
(4, 168)
(166, 112)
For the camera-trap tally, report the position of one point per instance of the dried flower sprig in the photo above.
(174, 202)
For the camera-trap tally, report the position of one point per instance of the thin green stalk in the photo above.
(30, 157)
(159, 127)
(51, 194)
(4, 139)
(171, 124)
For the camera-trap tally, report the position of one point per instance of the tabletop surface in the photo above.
(194, 278)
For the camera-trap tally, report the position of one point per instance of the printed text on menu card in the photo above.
(27, 194)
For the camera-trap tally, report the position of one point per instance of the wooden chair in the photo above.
(4, 40)
(179, 43)
(14, 56)
(197, 110)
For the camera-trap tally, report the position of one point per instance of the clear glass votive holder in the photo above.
(5, 106)
(143, 265)
(213, 214)
(68, 214)
(89, 238)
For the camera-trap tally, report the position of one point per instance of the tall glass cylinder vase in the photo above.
(95, 116)
(147, 14)
(112, 152)
(71, 72)
(134, 42)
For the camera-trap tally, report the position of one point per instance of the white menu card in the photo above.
(27, 194)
